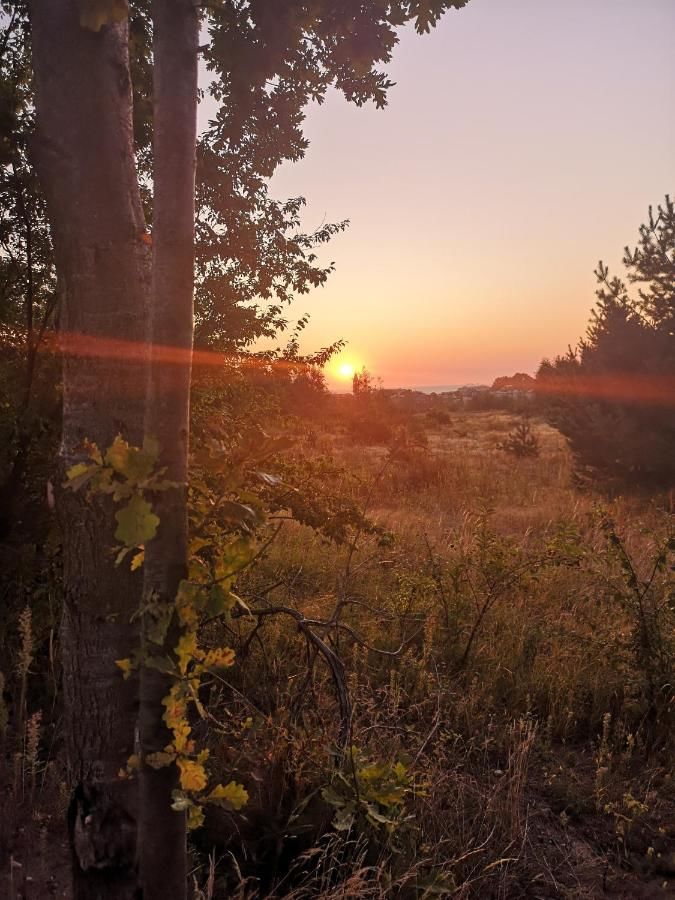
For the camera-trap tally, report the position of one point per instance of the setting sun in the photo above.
(342, 369)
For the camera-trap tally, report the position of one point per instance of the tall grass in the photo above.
(487, 642)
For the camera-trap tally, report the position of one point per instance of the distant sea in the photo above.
(423, 389)
(435, 388)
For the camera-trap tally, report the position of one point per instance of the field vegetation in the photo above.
(454, 667)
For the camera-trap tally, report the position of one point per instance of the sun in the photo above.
(341, 371)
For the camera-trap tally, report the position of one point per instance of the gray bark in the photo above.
(176, 30)
(84, 155)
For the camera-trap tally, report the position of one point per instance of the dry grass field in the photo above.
(510, 701)
(469, 694)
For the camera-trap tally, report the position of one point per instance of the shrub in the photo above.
(522, 441)
(368, 432)
(438, 417)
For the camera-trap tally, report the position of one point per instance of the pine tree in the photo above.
(613, 396)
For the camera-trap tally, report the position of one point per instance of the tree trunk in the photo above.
(163, 852)
(84, 155)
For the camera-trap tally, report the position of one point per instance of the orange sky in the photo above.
(653, 390)
(524, 140)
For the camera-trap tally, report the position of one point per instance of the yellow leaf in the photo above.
(181, 739)
(125, 666)
(220, 658)
(186, 650)
(93, 451)
(176, 707)
(79, 474)
(133, 463)
(94, 14)
(195, 817)
(133, 763)
(137, 560)
(198, 543)
(186, 603)
(117, 453)
(192, 775)
(232, 795)
(159, 760)
(76, 470)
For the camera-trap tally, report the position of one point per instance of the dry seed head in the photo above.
(4, 713)
(33, 739)
(25, 656)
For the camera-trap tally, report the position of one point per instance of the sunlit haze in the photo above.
(523, 141)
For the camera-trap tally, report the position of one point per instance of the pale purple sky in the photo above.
(523, 141)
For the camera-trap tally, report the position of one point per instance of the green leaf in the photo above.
(134, 464)
(139, 465)
(219, 600)
(157, 622)
(272, 446)
(161, 664)
(120, 490)
(136, 522)
(151, 447)
(343, 819)
(187, 592)
(181, 801)
(375, 816)
(331, 796)
(235, 558)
